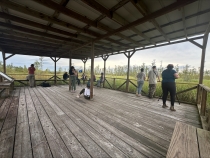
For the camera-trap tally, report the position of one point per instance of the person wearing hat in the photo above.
(152, 78)
(85, 91)
(168, 85)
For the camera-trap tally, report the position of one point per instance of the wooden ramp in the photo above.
(52, 122)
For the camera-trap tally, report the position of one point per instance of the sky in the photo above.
(181, 54)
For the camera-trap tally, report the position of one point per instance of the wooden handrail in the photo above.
(202, 94)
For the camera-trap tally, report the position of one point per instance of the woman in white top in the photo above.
(140, 81)
(85, 91)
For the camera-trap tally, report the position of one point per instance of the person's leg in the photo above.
(74, 83)
(172, 91)
(87, 97)
(82, 91)
(30, 80)
(140, 86)
(151, 90)
(165, 94)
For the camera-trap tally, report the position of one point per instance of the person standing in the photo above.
(101, 80)
(152, 77)
(73, 78)
(31, 76)
(168, 85)
(140, 81)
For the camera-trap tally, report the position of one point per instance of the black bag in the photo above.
(45, 84)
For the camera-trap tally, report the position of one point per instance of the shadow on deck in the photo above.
(52, 122)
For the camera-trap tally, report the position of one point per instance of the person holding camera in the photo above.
(168, 85)
(152, 78)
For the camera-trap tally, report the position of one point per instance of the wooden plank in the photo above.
(7, 135)
(103, 131)
(3, 110)
(39, 143)
(22, 147)
(203, 142)
(184, 142)
(69, 139)
(93, 149)
(130, 140)
(56, 144)
(107, 146)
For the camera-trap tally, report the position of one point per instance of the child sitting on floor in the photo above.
(85, 91)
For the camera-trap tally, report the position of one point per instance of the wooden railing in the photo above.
(203, 101)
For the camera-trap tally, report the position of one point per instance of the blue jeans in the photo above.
(140, 85)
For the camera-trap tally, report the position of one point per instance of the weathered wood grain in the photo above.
(39, 143)
(93, 149)
(56, 144)
(22, 147)
(204, 142)
(74, 146)
(184, 142)
(8, 131)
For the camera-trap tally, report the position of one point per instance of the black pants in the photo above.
(171, 88)
(78, 81)
(82, 92)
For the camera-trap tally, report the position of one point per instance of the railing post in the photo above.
(70, 63)
(105, 58)
(92, 70)
(198, 99)
(203, 102)
(113, 83)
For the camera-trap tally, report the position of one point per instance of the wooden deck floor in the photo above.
(52, 122)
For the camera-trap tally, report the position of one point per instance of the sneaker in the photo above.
(164, 106)
(172, 108)
(77, 96)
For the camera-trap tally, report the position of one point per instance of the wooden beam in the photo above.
(19, 28)
(4, 61)
(36, 25)
(75, 15)
(70, 63)
(92, 70)
(195, 43)
(184, 22)
(114, 16)
(145, 11)
(9, 56)
(205, 40)
(149, 17)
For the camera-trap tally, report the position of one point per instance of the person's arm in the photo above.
(176, 75)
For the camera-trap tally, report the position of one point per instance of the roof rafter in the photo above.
(151, 16)
(145, 11)
(75, 15)
(42, 16)
(116, 18)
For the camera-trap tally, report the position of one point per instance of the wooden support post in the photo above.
(55, 78)
(203, 102)
(92, 70)
(128, 70)
(69, 69)
(84, 61)
(205, 40)
(4, 61)
(198, 99)
(105, 58)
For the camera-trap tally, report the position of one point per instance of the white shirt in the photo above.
(152, 75)
(87, 92)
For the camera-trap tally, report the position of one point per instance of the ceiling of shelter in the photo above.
(66, 28)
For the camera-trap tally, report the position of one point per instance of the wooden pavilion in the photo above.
(88, 29)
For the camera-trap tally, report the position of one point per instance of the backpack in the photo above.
(45, 84)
